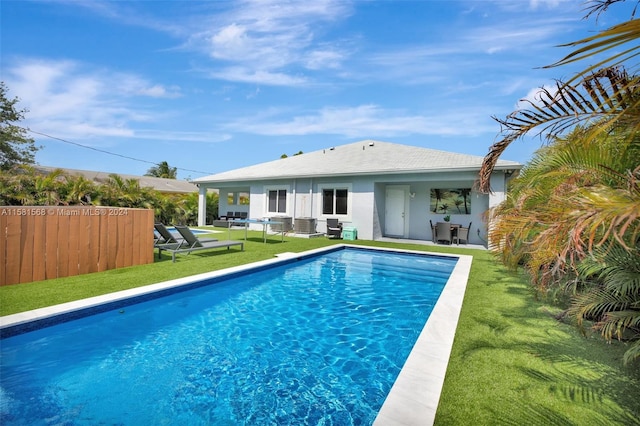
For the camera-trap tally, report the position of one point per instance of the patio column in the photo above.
(202, 205)
(498, 195)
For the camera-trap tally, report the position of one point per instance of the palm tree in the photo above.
(163, 170)
(575, 202)
(16, 186)
(47, 188)
(437, 194)
(79, 190)
(602, 92)
(465, 192)
(611, 300)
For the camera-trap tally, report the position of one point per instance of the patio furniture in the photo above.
(443, 232)
(433, 231)
(193, 243)
(264, 223)
(334, 228)
(165, 235)
(462, 234)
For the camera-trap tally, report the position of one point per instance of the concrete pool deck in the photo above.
(414, 397)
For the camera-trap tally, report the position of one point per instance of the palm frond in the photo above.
(608, 95)
(611, 39)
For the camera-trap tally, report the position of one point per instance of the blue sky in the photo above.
(210, 86)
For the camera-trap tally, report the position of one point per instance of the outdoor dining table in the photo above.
(264, 224)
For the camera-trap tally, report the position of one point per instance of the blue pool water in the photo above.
(194, 230)
(318, 341)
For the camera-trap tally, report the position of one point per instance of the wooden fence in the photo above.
(41, 243)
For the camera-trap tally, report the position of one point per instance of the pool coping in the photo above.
(413, 398)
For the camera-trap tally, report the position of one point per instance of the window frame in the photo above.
(278, 188)
(335, 187)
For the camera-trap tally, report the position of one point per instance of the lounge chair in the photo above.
(165, 237)
(443, 232)
(334, 228)
(462, 234)
(193, 243)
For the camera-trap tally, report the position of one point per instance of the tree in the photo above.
(163, 170)
(15, 147)
(570, 220)
(297, 153)
(602, 92)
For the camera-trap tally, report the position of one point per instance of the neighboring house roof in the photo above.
(364, 157)
(160, 184)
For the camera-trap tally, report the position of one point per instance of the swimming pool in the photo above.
(244, 351)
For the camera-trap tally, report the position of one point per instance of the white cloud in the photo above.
(272, 38)
(323, 59)
(248, 75)
(534, 96)
(67, 100)
(551, 4)
(367, 120)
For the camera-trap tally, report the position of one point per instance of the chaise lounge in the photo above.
(192, 243)
(166, 237)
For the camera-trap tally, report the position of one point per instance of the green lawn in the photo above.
(512, 362)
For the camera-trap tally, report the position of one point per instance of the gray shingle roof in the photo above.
(364, 157)
(160, 184)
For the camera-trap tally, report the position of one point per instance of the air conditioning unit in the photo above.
(287, 224)
(305, 225)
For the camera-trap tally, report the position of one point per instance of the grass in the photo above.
(512, 363)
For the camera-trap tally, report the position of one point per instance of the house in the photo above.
(166, 186)
(382, 189)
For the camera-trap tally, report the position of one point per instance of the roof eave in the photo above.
(372, 173)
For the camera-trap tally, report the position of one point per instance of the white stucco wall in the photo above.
(367, 201)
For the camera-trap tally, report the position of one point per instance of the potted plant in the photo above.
(447, 218)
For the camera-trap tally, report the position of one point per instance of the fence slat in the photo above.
(84, 244)
(63, 246)
(3, 245)
(74, 245)
(26, 245)
(12, 262)
(51, 247)
(39, 244)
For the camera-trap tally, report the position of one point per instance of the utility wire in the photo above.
(112, 153)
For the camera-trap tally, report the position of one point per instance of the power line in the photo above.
(112, 153)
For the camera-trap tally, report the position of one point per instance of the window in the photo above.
(277, 201)
(334, 201)
(237, 198)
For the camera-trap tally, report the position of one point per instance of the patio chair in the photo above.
(334, 228)
(462, 234)
(193, 243)
(443, 232)
(433, 231)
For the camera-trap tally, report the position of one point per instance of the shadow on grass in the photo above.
(531, 368)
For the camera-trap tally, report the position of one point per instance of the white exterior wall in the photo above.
(418, 214)
(367, 201)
